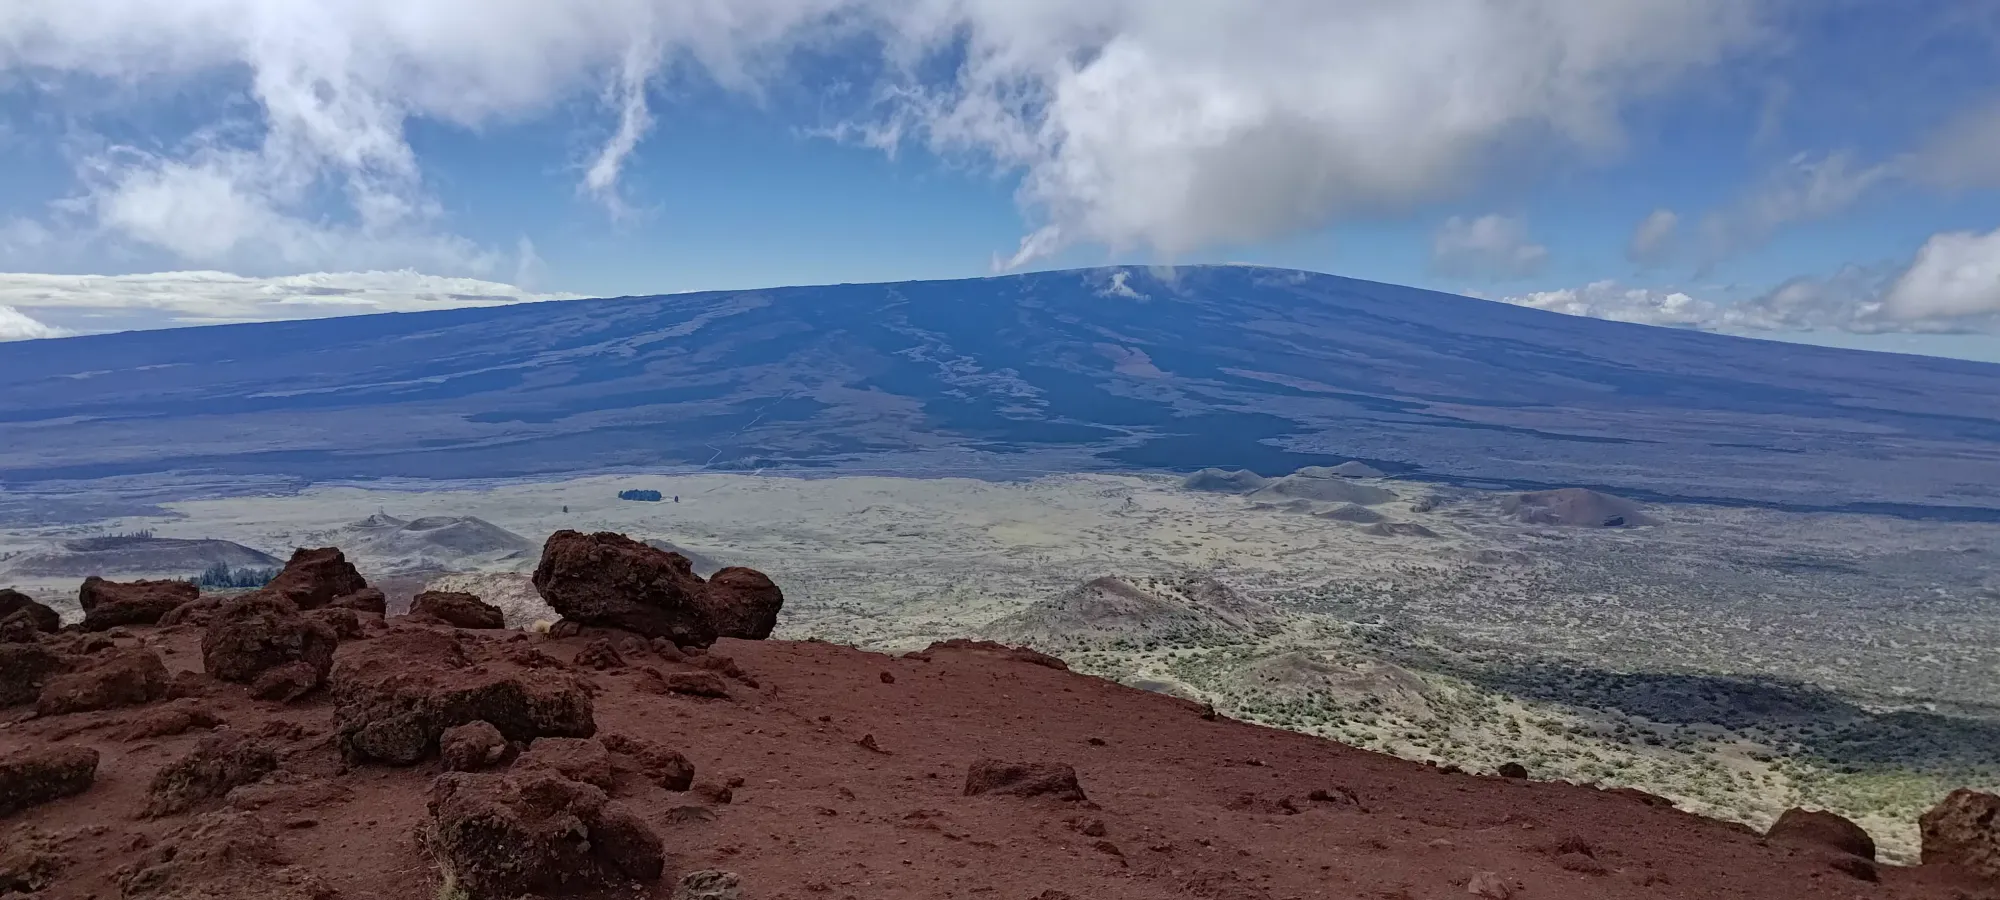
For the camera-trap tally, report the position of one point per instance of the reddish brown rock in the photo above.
(664, 767)
(536, 832)
(578, 759)
(38, 775)
(692, 684)
(40, 617)
(345, 623)
(472, 747)
(710, 884)
(113, 679)
(108, 604)
(1019, 654)
(286, 683)
(991, 776)
(366, 600)
(609, 580)
(315, 578)
(395, 696)
(29, 861)
(599, 655)
(220, 762)
(742, 603)
(179, 717)
(1963, 830)
(197, 612)
(258, 632)
(220, 856)
(25, 668)
(458, 609)
(1818, 828)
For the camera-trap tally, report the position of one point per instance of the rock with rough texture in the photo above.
(577, 759)
(109, 680)
(742, 603)
(346, 623)
(39, 775)
(366, 600)
(458, 610)
(41, 617)
(535, 832)
(286, 683)
(178, 717)
(258, 632)
(472, 747)
(600, 655)
(1513, 770)
(315, 578)
(220, 856)
(1963, 830)
(397, 694)
(691, 684)
(991, 776)
(1818, 828)
(709, 884)
(609, 580)
(25, 668)
(219, 763)
(29, 861)
(664, 767)
(109, 604)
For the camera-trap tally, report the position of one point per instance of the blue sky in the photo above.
(1821, 170)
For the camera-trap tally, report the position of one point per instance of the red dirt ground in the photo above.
(1189, 807)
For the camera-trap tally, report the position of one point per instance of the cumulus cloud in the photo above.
(1168, 124)
(1492, 246)
(118, 302)
(16, 325)
(1956, 274)
(1620, 303)
(1653, 239)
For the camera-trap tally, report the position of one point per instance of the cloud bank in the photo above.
(1173, 125)
(88, 303)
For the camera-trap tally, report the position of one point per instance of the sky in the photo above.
(1824, 171)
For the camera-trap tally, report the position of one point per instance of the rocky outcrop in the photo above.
(612, 581)
(261, 638)
(1054, 780)
(220, 856)
(315, 578)
(25, 668)
(397, 694)
(109, 604)
(1819, 828)
(1963, 830)
(220, 762)
(366, 600)
(108, 680)
(577, 759)
(38, 616)
(472, 747)
(38, 775)
(457, 609)
(664, 767)
(535, 832)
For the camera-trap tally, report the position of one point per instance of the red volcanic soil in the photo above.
(851, 775)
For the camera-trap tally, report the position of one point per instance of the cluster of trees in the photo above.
(221, 575)
(648, 496)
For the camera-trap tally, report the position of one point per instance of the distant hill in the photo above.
(1107, 610)
(1251, 368)
(137, 555)
(1575, 507)
(385, 544)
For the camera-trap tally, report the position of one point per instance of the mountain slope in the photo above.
(1237, 367)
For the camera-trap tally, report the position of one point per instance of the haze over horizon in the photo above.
(1823, 173)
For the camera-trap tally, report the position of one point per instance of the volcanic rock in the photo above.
(28, 861)
(1818, 828)
(366, 600)
(131, 677)
(692, 684)
(220, 762)
(1963, 830)
(345, 623)
(262, 631)
(742, 603)
(13, 602)
(220, 856)
(472, 747)
(991, 776)
(395, 696)
(535, 832)
(178, 717)
(458, 609)
(664, 767)
(1513, 770)
(709, 884)
(577, 759)
(39, 775)
(108, 604)
(599, 655)
(316, 578)
(610, 580)
(25, 668)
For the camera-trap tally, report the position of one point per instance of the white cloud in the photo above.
(1491, 245)
(117, 302)
(1964, 154)
(1956, 274)
(1169, 124)
(1806, 188)
(16, 325)
(1620, 303)
(1653, 239)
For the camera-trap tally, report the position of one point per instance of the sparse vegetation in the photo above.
(221, 575)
